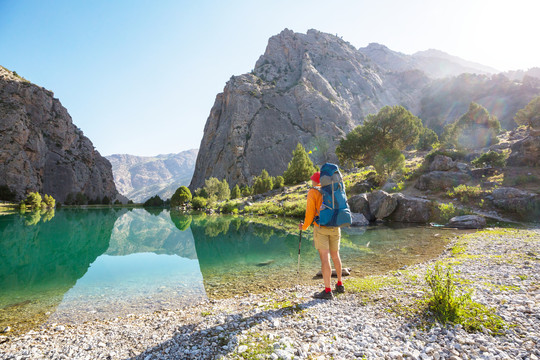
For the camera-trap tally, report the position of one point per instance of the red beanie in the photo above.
(316, 177)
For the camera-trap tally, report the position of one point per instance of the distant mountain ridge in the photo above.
(435, 64)
(141, 177)
(314, 88)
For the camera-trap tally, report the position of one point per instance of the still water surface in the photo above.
(77, 265)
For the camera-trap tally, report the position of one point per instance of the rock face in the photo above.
(314, 88)
(41, 149)
(310, 88)
(141, 177)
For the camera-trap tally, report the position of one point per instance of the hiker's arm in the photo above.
(311, 210)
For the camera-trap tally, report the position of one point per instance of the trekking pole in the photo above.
(299, 245)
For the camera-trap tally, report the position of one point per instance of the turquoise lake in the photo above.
(77, 265)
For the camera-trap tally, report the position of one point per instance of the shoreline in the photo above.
(502, 265)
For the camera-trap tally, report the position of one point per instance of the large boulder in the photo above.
(381, 204)
(522, 203)
(360, 204)
(411, 209)
(441, 163)
(483, 172)
(467, 222)
(441, 180)
(525, 152)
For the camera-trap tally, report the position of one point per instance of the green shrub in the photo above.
(198, 203)
(524, 179)
(33, 200)
(219, 189)
(263, 183)
(49, 201)
(465, 192)
(530, 114)
(451, 153)
(475, 129)
(427, 139)
(446, 212)
(153, 201)
(491, 158)
(228, 207)
(449, 306)
(300, 168)
(445, 303)
(181, 196)
(388, 161)
(279, 182)
(235, 192)
(246, 191)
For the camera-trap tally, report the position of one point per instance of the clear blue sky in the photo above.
(140, 77)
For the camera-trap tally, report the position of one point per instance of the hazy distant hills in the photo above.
(314, 88)
(434, 63)
(141, 177)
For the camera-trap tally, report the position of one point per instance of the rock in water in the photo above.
(41, 149)
(467, 222)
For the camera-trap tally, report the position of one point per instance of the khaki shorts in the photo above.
(326, 238)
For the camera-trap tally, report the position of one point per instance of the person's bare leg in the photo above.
(325, 267)
(336, 259)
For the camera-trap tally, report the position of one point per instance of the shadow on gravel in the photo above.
(210, 343)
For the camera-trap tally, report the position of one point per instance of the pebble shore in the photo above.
(502, 266)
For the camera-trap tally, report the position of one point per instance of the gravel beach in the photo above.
(501, 265)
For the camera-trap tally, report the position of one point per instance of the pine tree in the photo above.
(300, 168)
(263, 183)
(236, 193)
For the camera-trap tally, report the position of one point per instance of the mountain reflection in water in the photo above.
(83, 264)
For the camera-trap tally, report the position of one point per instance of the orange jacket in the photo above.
(314, 203)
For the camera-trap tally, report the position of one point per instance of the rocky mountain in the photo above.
(141, 177)
(314, 88)
(42, 150)
(310, 88)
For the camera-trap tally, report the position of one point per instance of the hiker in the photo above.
(325, 238)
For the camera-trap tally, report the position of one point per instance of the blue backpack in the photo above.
(334, 210)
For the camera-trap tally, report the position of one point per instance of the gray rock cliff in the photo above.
(310, 88)
(42, 150)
